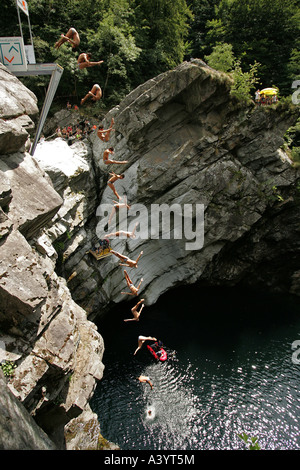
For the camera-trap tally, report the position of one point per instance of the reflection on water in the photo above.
(226, 374)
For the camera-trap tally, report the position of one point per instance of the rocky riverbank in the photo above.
(187, 141)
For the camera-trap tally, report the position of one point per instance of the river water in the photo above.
(232, 368)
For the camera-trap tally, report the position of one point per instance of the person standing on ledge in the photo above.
(71, 36)
(95, 94)
(83, 61)
(135, 313)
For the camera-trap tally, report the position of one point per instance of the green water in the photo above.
(230, 370)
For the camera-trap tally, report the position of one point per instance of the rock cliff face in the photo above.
(57, 351)
(187, 143)
(19, 431)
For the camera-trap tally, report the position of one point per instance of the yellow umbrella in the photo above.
(269, 91)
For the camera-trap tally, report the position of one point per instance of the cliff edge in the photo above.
(56, 351)
(188, 142)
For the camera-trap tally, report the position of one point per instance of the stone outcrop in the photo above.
(187, 141)
(56, 350)
(19, 431)
(18, 110)
(83, 433)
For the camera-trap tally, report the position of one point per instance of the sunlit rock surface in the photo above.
(187, 141)
(56, 351)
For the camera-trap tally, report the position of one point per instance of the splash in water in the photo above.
(150, 412)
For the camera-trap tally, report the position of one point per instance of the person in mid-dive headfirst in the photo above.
(71, 36)
(141, 340)
(104, 134)
(145, 379)
(127, 261)
(133, 290)
(117, 205)
(110, 184)
(83, 61)
(95, 94)
(136, 314)
(107, 160)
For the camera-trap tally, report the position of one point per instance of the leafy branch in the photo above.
(250, 441)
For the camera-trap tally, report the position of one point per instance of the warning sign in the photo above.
(12, 53)
(22, 4)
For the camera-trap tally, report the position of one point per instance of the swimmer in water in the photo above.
(135, 313)
(133, 290)
(145, 379)
(150, 412)
(141, 340)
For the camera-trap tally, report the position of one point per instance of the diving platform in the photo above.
(56, 72)
(102, 254)
(20, 60)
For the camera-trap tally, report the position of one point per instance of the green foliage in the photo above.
(295, 154)
(264, 31)
(292, 142)
(8, 368)
(136, 39)
(276, 196)
(250, 441)
(221, 58)
(139, 39)
(203, 12)
(114, 41)
(162, 31)
(244, 82)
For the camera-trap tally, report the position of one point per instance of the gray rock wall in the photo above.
(188, 142)
(57, 352)
(19, 431)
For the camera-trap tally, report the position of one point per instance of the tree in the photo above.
(113, 39)
(162, 30)
(243, 82)
(203, 12)
(221, 58)
(261, 30)
(250, 441)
